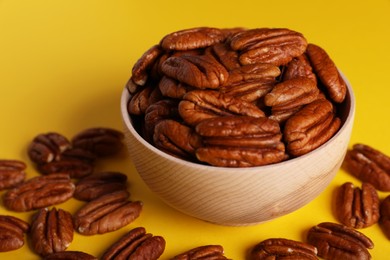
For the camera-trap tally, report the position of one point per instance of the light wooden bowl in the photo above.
(239, 196)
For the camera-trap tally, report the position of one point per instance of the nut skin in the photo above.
(385, 216)
(327, 72)
(336, 241)
(281, 248)
(39, 192)
(47, 147)
(12, 230)
(211, 252)
(51, 231)
(310, 127)
(355, 207)
(106, 213)
(12, 173)
(69, 255)
(136, 244)
(368, 165)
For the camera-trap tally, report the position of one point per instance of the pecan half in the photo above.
(136, 244)
(47, 147)
(11, 173)
(106, 213)
(198, 71)
(385, 216)
(51, 231)
(176, 139)
(192, 38)
(69, 255)
(355, 207)
(172, 88)
(310, 127)
(12, 230)
(74, 168)
(299, 67)
(39, 192)
(225, 55)
(141, 100)
(268, 45)
(369, 165)
(211, 252)
(98, 184)
(101, 141)
(240, 141)
(327, 72)
(281, 248)
(335, 241)
(199, 105)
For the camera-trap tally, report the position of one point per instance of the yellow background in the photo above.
(63, 65)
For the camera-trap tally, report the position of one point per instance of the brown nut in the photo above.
(299, 67)
(106, 213)
(211, 252)
(310, 127)
(51, 231)
(48, 147)
(141, 100)
(98, 184)
(12, 230)
(335, 241)
(39, 192)
(69, 255)
(74, 168)
(193, 38)
(268, 45)
(281, 248)
(355, 207)
(385, 216)
(199, 105)
(197, 71)
(136, 244)
(172, 88)
(240, 141)
(223, 53)
(327, 72)
(369, 165)
(101, 141)
(11, 173)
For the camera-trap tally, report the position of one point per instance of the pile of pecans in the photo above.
(236, 97)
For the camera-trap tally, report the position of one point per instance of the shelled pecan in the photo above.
(12, 172)
(385, 216)
(48, 147)
(74, 167)
(69, 255)
(212, 252)
(12, 230)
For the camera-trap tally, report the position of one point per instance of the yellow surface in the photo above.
(63, 65)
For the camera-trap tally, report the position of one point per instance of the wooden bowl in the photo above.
(239, 196)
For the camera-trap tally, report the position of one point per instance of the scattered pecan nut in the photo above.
(240, 141)
(69, 255)
(106, 213)
(385, 216)
(355, 207)
(281, 248)
(99, 184)
(75, 168)
(214, 252)
(369, 165)
(39, 192)
(336, 241)
(11, 173)
(51, 231)
(12, 230)
(48, 147)
(136, 244)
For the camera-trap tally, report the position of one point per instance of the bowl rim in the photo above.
(128, 123)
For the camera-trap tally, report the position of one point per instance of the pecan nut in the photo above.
(12, 230)
(39, 192)
(172, 88)
(369, 165)
(69, 255)
(385, 216)
(355, 207)
(99, 184)
(268, 45)
(299, 67)
(101, 141)
(327, 72)
(136, 244)
(281, 248)
(48, 147)
(51, 231)
(141, 100)
(310, 127)
(214, 252)
(106, 213)
(74, 168)
(240, 141)
(11, 173)
(199, 105)
(336, 241)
